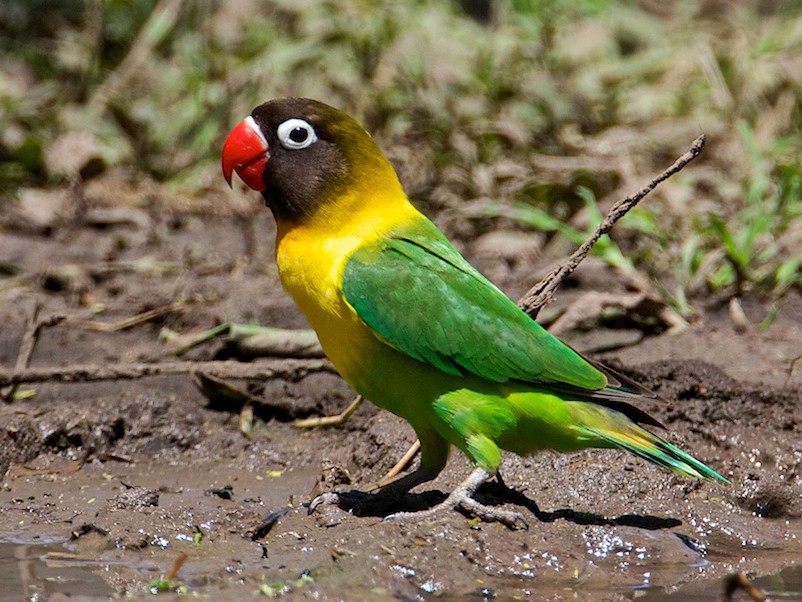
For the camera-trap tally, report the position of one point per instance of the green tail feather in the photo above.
(617, 430)
(658, 451)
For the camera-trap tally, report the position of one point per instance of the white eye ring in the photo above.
(295, 134)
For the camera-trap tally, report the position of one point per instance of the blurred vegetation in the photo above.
(535, 111)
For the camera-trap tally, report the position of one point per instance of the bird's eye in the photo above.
(295, 134)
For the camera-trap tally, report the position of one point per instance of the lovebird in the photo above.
(411, 325)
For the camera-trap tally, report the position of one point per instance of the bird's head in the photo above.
(301, 155)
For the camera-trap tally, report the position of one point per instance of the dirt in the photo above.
(106, 484)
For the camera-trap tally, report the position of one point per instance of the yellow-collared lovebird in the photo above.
(410, 324)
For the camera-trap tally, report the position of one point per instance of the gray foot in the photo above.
(462, 497)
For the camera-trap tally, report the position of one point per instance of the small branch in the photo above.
(126, 323)
(736, 581)
(223, 395)
(29, 339)
(287, 369)
(339, 419)
(176, 566)
(543, 292)
(400, 465)
(250, 341)
(32, 328)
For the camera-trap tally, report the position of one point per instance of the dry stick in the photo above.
(29, 340)
(29, 337)
(337, 420)
(268, 369)
(251, 341)
(26, 346)
(126, 323)
(736, 581)
(176, 566)
(401, 464)
(543, 292)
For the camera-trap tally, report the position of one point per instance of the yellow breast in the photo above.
(311, 258)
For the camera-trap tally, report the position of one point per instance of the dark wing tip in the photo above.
(626, 385)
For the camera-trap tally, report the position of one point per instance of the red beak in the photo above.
(246, 152)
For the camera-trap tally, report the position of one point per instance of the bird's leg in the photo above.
(342, 418)
(434, 454)
(396, 488)
(462, 497)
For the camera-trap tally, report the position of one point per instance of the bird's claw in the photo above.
(330, 498)
(344, 500)
(509, 518)
(461, 498)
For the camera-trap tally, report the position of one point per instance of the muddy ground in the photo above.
(106, 484)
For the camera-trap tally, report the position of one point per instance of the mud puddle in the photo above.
(240, 521)
(786, 584)
(53, 570)
(38, 570)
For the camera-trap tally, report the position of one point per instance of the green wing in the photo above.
(420, 296)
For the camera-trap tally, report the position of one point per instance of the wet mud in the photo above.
(106, 484)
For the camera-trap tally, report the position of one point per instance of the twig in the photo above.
(249, 340)
(225, 396)
(400, 465)
(339, 419)
(125, 323)
(268, 369)
(29, 340)
(736, 581)
(30, 337)
(176, 566)
(543, 292)
(790, 370)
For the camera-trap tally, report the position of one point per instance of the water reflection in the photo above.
(36, 571)
(784, 585)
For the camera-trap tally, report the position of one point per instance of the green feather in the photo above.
(616, 430)
(421, 297)
(504, 382)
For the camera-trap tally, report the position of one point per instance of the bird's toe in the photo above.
(489, 514)
(330, 498)
(510, 518)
